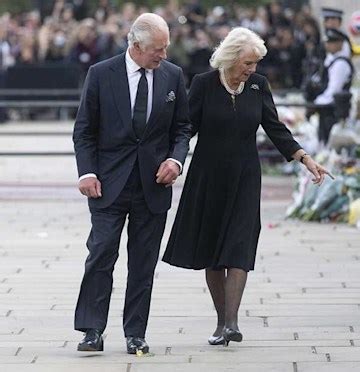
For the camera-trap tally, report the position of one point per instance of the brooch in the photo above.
(170, 96)
(254, 86)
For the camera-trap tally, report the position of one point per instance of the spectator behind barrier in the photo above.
(74, 32)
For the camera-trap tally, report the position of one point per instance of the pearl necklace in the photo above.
(233, 92)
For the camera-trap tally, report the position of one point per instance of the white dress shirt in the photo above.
(133, 75)
(338, 74)
(346, 49)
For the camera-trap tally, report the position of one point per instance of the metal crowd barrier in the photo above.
(55, 98)
(71, 104)
(62, 99)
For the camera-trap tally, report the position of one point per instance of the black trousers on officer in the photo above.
(327, 119)
(145, 231)
(3, 111)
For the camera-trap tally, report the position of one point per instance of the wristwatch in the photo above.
(302, 157)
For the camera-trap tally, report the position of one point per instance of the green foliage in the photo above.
(205, 3)
(17, 6)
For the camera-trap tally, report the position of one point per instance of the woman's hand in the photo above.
(316, 169)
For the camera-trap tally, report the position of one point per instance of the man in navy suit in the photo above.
(131, 138)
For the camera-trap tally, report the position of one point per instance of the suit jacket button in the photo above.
(137, 139)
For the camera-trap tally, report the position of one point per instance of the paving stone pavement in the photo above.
(300, 312)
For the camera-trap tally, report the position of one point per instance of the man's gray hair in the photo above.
(144, 27)
(234, 44)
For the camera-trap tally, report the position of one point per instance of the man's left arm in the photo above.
(180, 134)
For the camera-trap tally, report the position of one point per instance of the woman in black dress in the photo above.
(218, 220)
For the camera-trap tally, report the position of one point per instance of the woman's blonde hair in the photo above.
(234, 44)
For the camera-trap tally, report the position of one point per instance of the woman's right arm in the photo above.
(196, 97)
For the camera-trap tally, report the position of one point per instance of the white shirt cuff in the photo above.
(87, 175)
(177, 162)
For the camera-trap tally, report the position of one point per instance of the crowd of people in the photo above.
(84, 36)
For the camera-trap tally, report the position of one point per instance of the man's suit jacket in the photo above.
(104, 140)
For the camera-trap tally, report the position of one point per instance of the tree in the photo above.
(19, 6)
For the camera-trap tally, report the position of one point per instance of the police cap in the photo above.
(331, 13)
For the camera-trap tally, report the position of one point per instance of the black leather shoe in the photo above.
(93, 341)
(231, 335)
(134, 344)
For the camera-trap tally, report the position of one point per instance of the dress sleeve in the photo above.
(196, 97)
(180, 131)
(277, 131)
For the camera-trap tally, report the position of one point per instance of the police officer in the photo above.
(337, 76)
(332, 19)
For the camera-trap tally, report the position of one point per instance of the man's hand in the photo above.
(167, 173)
(90, 187)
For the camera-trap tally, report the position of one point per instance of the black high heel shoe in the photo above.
(231, 335)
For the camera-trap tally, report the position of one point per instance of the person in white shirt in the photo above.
(337, 77)
(131, 138)
(6, 60)
(332, 19)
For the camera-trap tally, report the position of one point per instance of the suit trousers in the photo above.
(145, 231)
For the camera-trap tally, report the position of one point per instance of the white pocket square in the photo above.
(254, 86)
(170, 96)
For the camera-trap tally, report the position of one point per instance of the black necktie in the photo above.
(140, 108)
